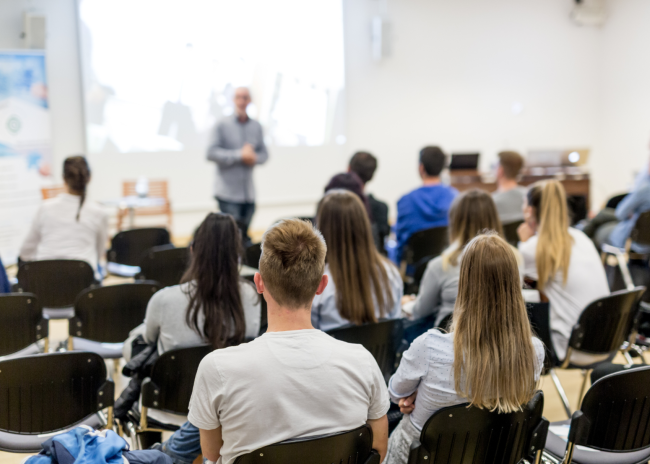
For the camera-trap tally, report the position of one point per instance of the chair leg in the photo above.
(625, 271)
(561, 392)
(135, 442)
(585, 378)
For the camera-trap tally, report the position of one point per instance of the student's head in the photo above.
(292, 264)
(349, 181)
(510, 164)
(471, 213)
(494, 358)
(546, 212)
(76, 175)
(242, 99)
(363, 164)
(356, 267)
(432, 161)
(213, 276)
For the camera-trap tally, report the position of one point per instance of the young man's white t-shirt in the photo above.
(286, 385)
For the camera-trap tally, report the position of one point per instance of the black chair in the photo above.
(601, 330)
(106, 315)
(264, 321)
(354, 446)
(412, 286)
(56, 283)
(252, 255)
(21, 325)
(615, 200)
(164, 264)
(425, 243)
(612, 423)
(168, 389)
(50, 393)
(128, 246)
(382, 339)
(458, 435)
(510, 232)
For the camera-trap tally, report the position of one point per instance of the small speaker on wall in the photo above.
(34, 30)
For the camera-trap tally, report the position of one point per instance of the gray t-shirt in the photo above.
(510, 204)
(165, 317)
(284, 385)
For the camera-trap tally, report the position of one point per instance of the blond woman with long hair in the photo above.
(490, 358)
(471, 213)
(563, 260)
(363, 285)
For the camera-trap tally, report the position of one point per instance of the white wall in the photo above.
(456, 68)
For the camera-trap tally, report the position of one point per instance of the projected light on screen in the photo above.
(159, 74)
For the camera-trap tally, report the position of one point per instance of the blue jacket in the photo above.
(628, 212)
(423, 208)
(5, 287)
(84, 445)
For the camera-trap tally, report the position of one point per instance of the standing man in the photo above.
(237, 146)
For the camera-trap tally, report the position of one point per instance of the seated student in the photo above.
(563, 261)
(68, 226)
(471, 213)
(351, 182)
(614, 226)
(5, 286)
(509, 196)
(426, 206)
(363, 285)
(294, 381)
(213, 304)
(489, 359)
(364, 165)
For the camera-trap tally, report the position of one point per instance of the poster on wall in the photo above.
(25, 148)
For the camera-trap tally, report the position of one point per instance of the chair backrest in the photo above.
(641, 232)
(350, 447)
(540, 323)
(615, 200)
(605, 323)
(157, 188)
(56, 282)
(21, 322)
(510, 232)
(170, 384)
(429, 242)
(108, 314)
(51, 192)
(164, 264)
(459, 434)
(614, 412)
(252, 255)
(128, 246)
(49, 392)
(381, 338)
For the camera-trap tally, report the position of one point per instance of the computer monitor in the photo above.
(464, 162)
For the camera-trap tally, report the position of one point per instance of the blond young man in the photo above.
(294, 381)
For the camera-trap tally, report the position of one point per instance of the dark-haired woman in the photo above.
(212, 304)
(69, 226)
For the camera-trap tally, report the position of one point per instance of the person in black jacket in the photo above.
(364, 165)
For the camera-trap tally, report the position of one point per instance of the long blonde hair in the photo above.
(357, 268)
(494, 357)
(554, 243)
(470, 213)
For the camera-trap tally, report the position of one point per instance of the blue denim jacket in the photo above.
(628, 212)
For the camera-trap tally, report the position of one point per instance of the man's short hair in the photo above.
(433, 159)
(292, 262)
(363, 164)
(511, 162)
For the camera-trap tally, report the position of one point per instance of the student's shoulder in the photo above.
(433, 339)
(170, 293)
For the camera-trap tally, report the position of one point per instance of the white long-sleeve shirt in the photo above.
(56, 233)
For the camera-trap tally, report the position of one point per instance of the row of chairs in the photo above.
(45, 394)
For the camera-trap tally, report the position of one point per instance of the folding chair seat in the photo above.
(104, 316)
(353, 446)
(56, 283)
(462, 434)
(611, 426)
(23, 331)
(46, 394)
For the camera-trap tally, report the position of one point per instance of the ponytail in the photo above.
(76, 174)
(554, 242)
